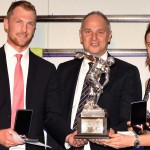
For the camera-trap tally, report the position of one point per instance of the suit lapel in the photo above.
(74, 77)
(4, 80)
(33, 65)
(76, 71)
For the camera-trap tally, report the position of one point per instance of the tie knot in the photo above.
(90, 65)
(19, 56)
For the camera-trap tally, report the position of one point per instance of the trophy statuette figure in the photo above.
(93, 120)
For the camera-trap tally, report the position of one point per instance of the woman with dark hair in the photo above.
(120, 140)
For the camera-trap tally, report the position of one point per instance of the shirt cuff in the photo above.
(67, 145)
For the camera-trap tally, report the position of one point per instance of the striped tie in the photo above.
(83, 99)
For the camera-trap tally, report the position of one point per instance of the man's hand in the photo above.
(6, 138)
(75, 142)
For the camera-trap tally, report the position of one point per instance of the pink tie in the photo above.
(18, 91)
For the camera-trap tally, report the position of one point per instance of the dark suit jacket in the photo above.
(124, 86)
(41, 97)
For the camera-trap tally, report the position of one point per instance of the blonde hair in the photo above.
(24, 4)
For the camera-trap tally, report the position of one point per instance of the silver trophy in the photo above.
(93, 120)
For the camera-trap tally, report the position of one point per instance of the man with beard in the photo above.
(35, 86)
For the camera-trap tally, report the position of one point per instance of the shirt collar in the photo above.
(11, 52)
(104, 57)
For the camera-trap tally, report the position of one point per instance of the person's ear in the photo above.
(80, 35)
(5, 24)
(110, 36)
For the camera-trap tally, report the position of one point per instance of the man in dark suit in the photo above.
(40, 83)
(124, 84)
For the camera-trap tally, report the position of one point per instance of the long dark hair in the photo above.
(147, 59)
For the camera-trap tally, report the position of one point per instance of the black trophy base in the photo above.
(91, 136)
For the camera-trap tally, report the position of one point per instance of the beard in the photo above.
(19, 41)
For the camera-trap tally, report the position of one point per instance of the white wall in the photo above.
(78, 7)
(65, 35)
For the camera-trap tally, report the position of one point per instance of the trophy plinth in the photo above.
(93, 121)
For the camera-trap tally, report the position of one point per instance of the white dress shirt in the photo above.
(11, 63)
(83, 71)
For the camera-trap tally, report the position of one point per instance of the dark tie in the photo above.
(83, 99)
